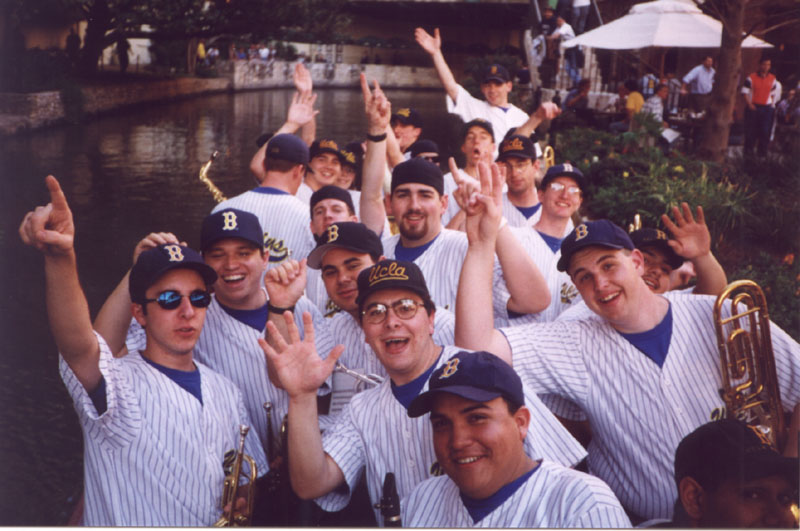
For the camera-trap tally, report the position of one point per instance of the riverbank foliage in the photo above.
(751, 206)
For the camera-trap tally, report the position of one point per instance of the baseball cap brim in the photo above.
(674, 260)
(424, 402)
(768, 463)
(563, 262)
(314, 259)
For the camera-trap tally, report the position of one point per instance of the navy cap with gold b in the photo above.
(231, 223)
(478, 376)
(601, 233)
(154, 263)
(391, 274)
(346, 235)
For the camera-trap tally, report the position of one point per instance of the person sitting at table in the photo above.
(633, 104)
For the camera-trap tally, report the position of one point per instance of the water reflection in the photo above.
(124, 175)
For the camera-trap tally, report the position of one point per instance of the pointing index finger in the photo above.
(57, 197)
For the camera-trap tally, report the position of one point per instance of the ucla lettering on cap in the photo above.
(391, 274)
(404, 112)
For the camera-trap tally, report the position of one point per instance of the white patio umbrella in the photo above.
(662, 23)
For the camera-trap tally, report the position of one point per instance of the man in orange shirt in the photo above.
(759, 92)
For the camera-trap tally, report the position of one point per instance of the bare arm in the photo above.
(393, 153)
(692, 241)
(50, 229)
(114, 318)
(474, 319)
(378, 111)
(301, 372)
(433, 45)
(546, 111)
(526, 284)
(304, 85)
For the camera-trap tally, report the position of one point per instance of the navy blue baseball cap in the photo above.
(730, 449)
(346, 235)
(325, 145)
(648, 237)
(496, 72)
(231, 223)
(600, 233)
(331, 191)
(478, 122)
(154, 263)
(418, 170)
(287, 147)
(478, 376)
(518, 146)
(407, 116)
(563, 170)
(391, 274)
(423, 146)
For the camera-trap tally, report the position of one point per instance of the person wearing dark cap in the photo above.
(645, 371)
(417, 202)
(283, 216)
(374, 431)
(324, 167)
(231, 242)
(522, 159)
(729, 477)
(152, 410)
(352, 159)
(495, 85)
(477, 145)
(426, 149)
(407, 127)
(479, 421)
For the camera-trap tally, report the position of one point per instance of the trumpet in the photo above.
(233, 470)
(219, 197)
(750, 383)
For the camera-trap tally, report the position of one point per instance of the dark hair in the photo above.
(279, 165)
(631, 85)
(512, 406)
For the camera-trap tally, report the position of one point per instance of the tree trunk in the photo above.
(99, 22)
(191, 55)
(716, 129)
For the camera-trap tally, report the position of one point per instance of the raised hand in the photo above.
(301, 110)
(152, 240)
(468, 187)
(296, 364)
(547, 111)
(302, 79)
(50, 228)
(690, 235)
(484, 216)
(430, 43)
(376, 106)
(285, 284)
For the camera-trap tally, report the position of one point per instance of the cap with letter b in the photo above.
(601, 233)
(154, 263)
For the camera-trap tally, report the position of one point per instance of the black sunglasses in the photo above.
(171, 299)
(431, 158)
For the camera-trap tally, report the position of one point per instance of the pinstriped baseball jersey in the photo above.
(284, 219)
(358, 355)
(469, 107)
(515, 217)
(441, 266)
(231, 348)
(638, 411)
(563, 292)
(375, 431)
(304, 193)
(154, 457)
(316, 292)
(554, 496)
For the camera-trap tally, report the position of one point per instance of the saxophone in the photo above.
(219, 197)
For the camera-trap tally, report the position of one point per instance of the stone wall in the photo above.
(258, 74)
(19, 112)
